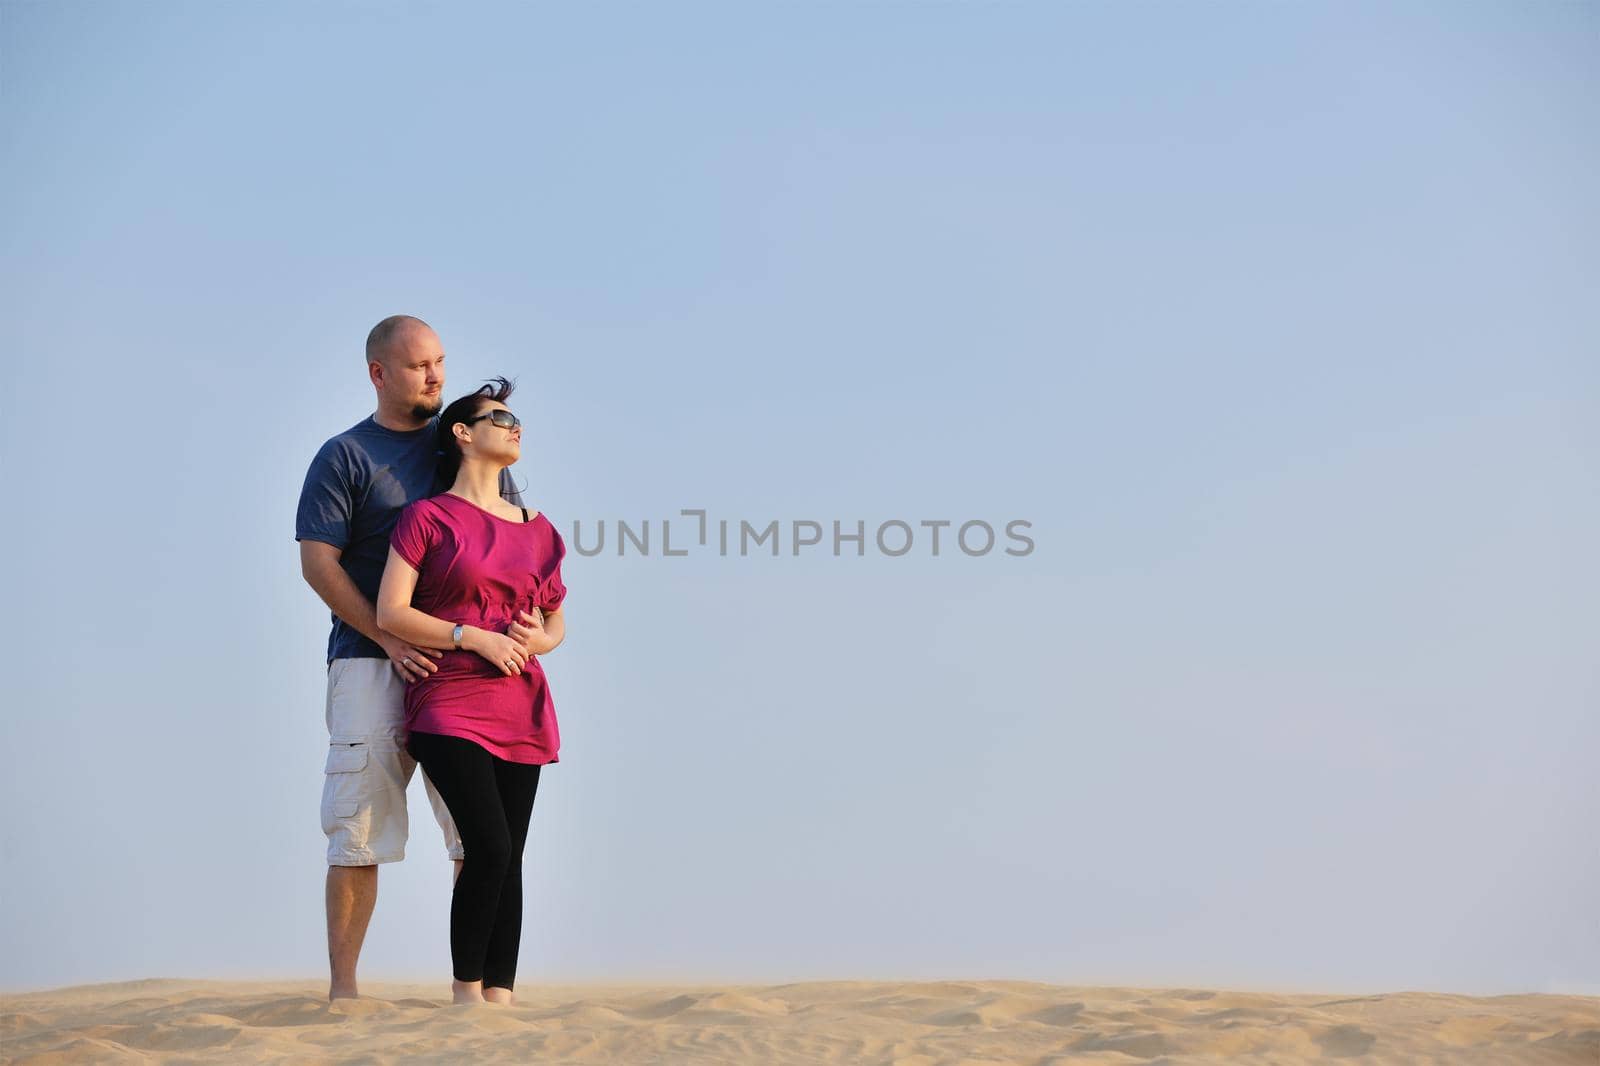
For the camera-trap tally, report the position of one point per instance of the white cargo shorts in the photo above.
(368, 769)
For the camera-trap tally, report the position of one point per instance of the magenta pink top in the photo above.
(479, 569)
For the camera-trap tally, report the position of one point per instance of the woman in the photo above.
(470, 572)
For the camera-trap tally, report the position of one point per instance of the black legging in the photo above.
(491, 801)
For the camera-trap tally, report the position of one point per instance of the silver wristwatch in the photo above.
(455, 637)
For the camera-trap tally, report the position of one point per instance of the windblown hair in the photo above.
(469, 406)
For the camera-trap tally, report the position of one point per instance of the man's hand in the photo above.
(528, 631)
(410, 662)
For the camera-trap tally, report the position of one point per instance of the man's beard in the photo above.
(427, 409)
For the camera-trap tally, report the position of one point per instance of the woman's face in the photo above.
(500, 445)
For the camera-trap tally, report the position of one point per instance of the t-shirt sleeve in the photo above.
(554, 590)
(414, 534)
(326, 499)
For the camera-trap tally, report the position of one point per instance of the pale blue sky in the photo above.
(1277, 321)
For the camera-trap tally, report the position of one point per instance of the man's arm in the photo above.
(555, 631)
(319, 565)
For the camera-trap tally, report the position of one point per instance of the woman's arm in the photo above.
(397, 616)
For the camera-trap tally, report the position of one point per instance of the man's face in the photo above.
(412, 374)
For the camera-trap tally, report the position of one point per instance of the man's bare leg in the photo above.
(352, 892)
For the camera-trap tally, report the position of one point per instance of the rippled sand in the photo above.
(811, 1022)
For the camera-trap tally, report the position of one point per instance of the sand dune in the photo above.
(846, 1022)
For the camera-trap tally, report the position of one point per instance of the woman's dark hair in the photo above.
(468, 407)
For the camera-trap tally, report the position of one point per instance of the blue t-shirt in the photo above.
(353, 494)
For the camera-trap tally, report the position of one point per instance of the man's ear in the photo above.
(375, 373)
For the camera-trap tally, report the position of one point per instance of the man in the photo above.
(353, 494)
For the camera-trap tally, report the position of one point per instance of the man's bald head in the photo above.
(395, 334)
(406, 365)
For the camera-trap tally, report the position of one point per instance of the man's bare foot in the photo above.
(496, 994)
(467, 991)
(342, 992)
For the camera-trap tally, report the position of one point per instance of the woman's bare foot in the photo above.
(496, 994)
(467, 991)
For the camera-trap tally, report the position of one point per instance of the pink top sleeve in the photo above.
(414, 534)
(554, 589)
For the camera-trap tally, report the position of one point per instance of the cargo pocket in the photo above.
(344, 789)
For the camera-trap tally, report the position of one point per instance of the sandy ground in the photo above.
(811, 1022)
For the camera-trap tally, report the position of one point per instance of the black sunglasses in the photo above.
(503, 419)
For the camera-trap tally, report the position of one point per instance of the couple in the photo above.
(444, 591)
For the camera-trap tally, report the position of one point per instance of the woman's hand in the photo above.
(529, 631)
(507, 655)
